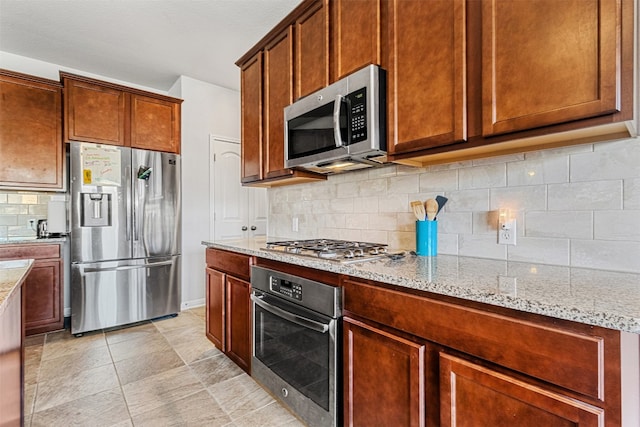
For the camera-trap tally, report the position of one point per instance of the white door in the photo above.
(238, 212)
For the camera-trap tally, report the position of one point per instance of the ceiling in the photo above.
(146, 42)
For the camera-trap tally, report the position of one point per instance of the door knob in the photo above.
(254, 228)
(244, 228)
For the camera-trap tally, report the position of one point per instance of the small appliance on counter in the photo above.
(42, 229)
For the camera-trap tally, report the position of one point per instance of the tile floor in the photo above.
(159, 373)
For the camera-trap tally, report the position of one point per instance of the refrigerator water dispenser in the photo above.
(96, 210)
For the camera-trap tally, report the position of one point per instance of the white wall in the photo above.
(207, 109)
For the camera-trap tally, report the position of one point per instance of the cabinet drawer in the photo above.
(30, 251)
(572, 359)
(230, 262)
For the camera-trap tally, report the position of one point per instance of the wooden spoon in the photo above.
(431, 207)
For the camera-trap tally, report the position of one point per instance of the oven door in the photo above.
(295, 355)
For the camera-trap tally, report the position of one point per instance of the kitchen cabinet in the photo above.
(312, 49)
(11, 360)
(43, 295)
(484, 372)
(31, 145)
(266, 88)
(106, 113)
(228, 305)
(356, 38)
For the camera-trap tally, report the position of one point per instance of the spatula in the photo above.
(441, 202)
(431, 208)
(418, 210)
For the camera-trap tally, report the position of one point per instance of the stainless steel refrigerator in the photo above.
(125, 235)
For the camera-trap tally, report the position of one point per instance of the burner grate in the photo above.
(341, 250)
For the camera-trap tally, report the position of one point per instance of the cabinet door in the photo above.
(278, 93)
(11, 361)
(94, 113)
(251, 100)
(548, 61)
(384, 378)
(155, 124)
(31, 146)
(43, 297)
(216, 309)
(473, 395)
(239, 322)
(356, 35)
(426, 74)
(312, 49)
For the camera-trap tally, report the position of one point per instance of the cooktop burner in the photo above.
(339, 250)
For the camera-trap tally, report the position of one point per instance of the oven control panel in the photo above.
(286, 288)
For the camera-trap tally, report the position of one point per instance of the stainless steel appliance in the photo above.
(125, 235)
(296, 343)
(343, 251)
(341, 127)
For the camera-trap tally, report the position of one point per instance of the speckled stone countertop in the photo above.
(596, 297)
(12, 273)
(22, 240)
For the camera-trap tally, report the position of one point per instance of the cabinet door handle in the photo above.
(244, 228)
(254, 228)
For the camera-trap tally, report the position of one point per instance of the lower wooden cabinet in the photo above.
(43, 287)
(11, 360)
(228, 305)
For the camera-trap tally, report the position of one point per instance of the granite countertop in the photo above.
(12, 273)
(609, 299)
(34, 239)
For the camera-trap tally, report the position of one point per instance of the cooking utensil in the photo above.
(441, 202)
(431, 208)
(418, 210)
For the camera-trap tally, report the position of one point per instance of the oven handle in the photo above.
(299, 320)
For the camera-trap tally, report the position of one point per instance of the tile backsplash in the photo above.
(575, 206)
(16, 208)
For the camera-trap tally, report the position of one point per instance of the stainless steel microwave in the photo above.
(341, 127)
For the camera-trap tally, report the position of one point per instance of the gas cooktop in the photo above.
(343, 251)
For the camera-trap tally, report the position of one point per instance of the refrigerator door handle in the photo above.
(136, 207)
(127, 267)
(128, 201)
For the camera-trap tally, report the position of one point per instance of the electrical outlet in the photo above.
(507, 232)
(294, 224)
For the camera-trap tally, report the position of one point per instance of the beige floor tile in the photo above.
(31, 371)
(137, 368)
(62, 343)
(192, 344)
(34, 340)
(216, 370)
(130, 332)
(33, 353)
(199, 409)
(161, 389)
(240, 395)
(183, 319)
(106, 408)
(29, 398)
(138, 347)
(65, 389)
(74, 363)
(199, 311)
(272, 415)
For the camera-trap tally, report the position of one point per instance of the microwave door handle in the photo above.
(336, 121)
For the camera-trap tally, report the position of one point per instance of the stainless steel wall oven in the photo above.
(296, 343)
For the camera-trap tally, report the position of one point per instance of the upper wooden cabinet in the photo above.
(31, 146)
(426, 68)
(548, 61)
(105, 113)
(356, 38)
(251, 123)
(312, 49)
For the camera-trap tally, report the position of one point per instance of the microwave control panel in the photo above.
(358, 102)
(286, 288)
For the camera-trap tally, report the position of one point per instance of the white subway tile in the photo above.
(335, 220)
(403, 184)
(358, 221)
(540, 250)
(486, 222)
(405, 221)
(607, 255)
(447, 244)
(455, 222)
(559, 224)
(372, 187)
(3, 198)
(618, 160)
(375, 236)
(467, 200)
(393, 203)
(347, 189)
(559, 152)
(8, 220)
(382, 221)
(444, 180)
(631, 193)
(487, 176)
(596, 195)
(617, 225)
(524, 198)
(481, 246)
(366, 204)
(498, 159)
(543, 171)
(401, 240)
(341, 205)
(453, 165)
(409, 170)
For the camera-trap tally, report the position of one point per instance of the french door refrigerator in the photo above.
(125, 235)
